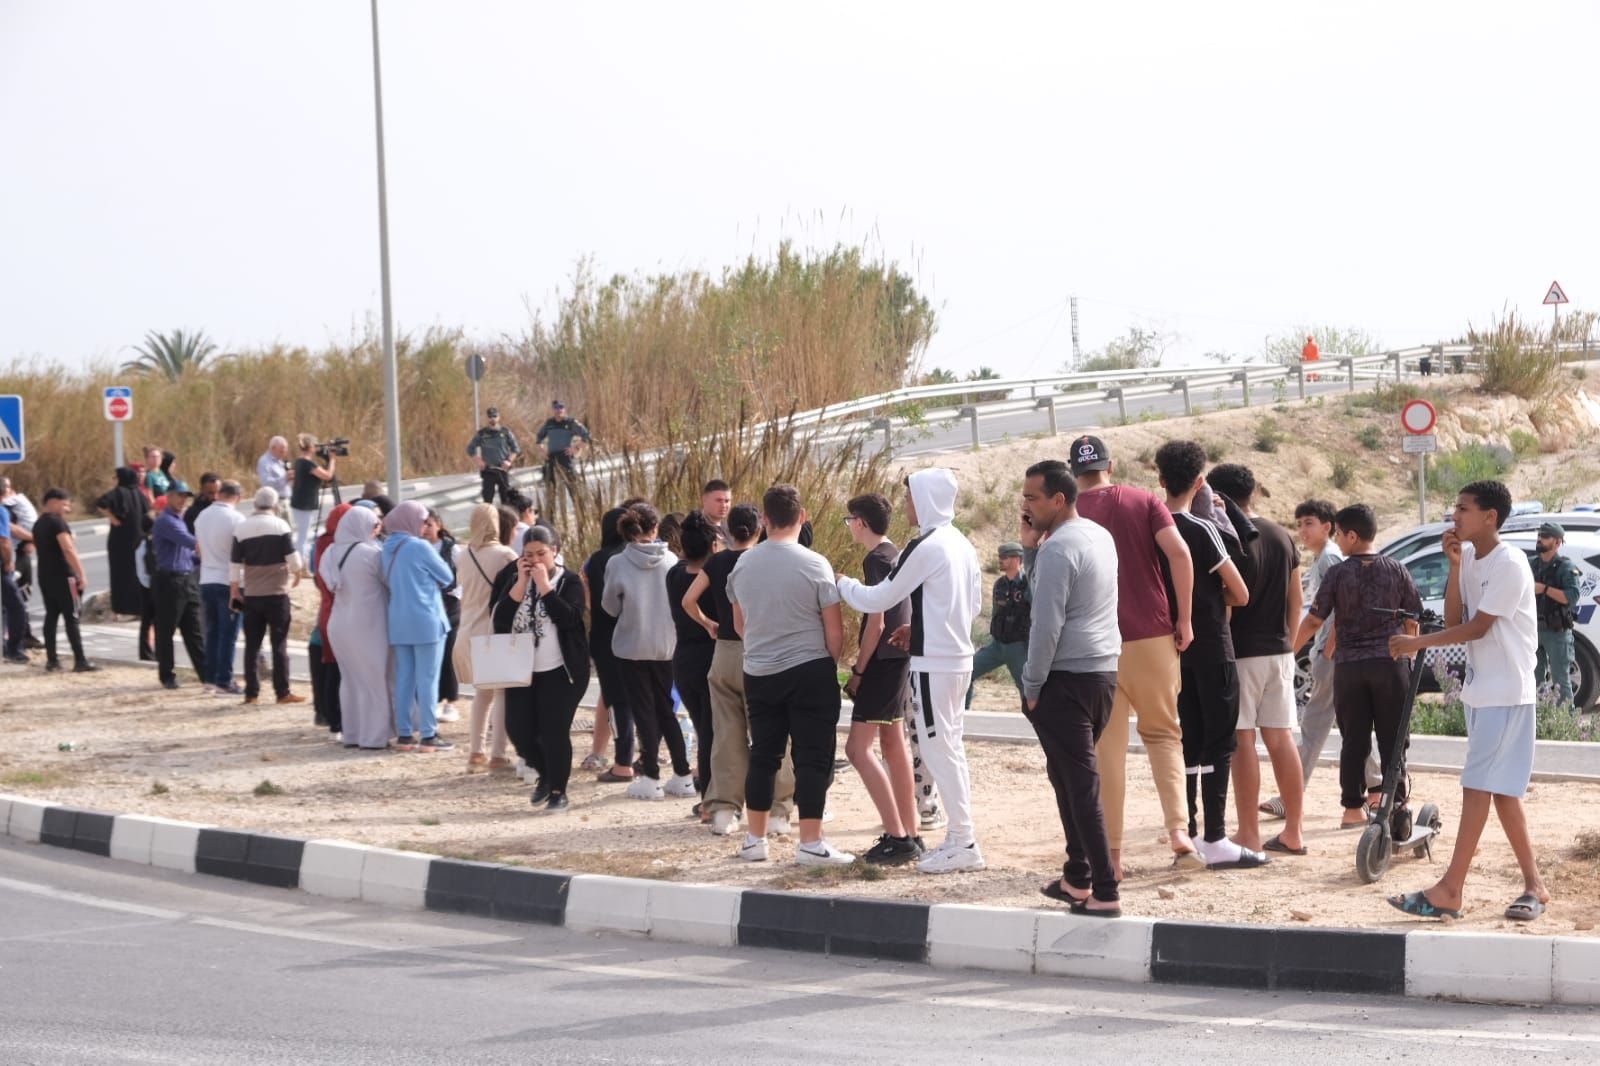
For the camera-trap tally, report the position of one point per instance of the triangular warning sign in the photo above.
(1555, 295)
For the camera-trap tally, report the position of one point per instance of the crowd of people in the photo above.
(1180, 612)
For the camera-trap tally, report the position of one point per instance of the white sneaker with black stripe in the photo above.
(950, 858)
(822, 853)
(754, 849)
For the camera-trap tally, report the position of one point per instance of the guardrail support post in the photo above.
(1399, 368)
(972, 413)
(1049, 404)
(1300, 378)
(1122, 402)
(1188, 406)
(1243, 378)
(883, 424)
(1348, 365)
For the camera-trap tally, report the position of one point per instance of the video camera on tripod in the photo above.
(333, 446)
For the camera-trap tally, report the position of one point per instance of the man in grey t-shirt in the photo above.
(1070, 678)
(786, 609)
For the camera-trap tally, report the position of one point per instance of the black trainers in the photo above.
(434, 743)
(85, 667)
(18, 658)
(541, 792)
(52, 666)
(892, 851)
(169, 683)
(557, 803)
(921, 847)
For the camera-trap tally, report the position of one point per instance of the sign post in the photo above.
(1555, 297)
(13, 438)
(476, 365)
(1417, 418)
(118, 403)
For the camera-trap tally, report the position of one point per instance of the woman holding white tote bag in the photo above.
(538, 599)
(476, 567)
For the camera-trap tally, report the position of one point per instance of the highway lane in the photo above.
(104, 962)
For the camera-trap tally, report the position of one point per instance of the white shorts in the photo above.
(1266, 692)
(1499, 749)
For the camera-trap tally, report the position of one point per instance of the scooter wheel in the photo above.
(1428, 818)
(1373, 852)
(1400, 825)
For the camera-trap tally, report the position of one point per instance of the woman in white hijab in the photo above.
(352, 570)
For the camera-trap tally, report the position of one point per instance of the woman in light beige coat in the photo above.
(476, 567)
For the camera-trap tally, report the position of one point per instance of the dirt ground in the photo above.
(139, 749)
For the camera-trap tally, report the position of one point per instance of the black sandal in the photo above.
(1053, 890)
(1082, 907)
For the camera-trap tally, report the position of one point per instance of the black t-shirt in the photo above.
(601, 623)
(47, 543)
(195, 509)
(1261, 627)
(307, 487)
(689, 631)
(1208, 612)
(717, 569)
(878, 565)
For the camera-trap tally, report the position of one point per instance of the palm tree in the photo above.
(170, 354)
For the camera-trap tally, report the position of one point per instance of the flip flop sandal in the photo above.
(1274, 807)
(594, 762)
(1247, 860)
(1082, 907)
(1417, 905)
(1525, 908)
(1053, 890)
(1277, 844)
(611, 777)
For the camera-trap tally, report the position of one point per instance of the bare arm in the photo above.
(1181, 563)
(691, 603)
(869, 641)
(1296, 600)
(69, 548)
(1308, 629)
(833, 630)
(1234, 591)
(1454, 610)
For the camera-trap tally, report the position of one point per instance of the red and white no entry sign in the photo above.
(1418, 416)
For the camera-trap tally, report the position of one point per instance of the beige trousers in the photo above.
(730, 737)
(1148, 679)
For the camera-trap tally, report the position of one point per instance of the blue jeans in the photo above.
(416, 687)
(222, 634)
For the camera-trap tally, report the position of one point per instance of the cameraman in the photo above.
(495, 448)
(1555, 590)
(306, 498)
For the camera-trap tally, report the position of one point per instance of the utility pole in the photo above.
(391, 376)
(1077, 355)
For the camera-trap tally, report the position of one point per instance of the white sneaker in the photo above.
(934, 819)
(951, 859)
(754, 849)
(778, 827)
(682, 787)
(644, 788)
(822, 853)
(447, 712)
(724, 823)
(520, 768)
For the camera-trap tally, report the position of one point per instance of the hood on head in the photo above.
(647, 556)
(934, 492)
(335, 516)
(357, 525)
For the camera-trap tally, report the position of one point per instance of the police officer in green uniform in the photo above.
(495, 448)
(1008, 622)
(561, 436)
(1555, 590)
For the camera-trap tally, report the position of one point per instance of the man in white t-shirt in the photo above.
(1489, 606)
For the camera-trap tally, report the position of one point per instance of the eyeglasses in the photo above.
(850, 518)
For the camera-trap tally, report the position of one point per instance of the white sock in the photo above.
(749, 840)
(1215, 851)
(815, 847)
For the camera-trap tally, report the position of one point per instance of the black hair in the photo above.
(697, 537)
(807, 536)
(1321, 510)
(610, 538)
(671, 531)
(1491, 496)
(716, 484)
(1235, 482)
(509, 520)
(56, 494)
(781, 505)
(872, 509)
(1358, 519)
(744, 522)
(1180, 464)
(638, 520)
(208, 477)
(1057, 477)
(541, 535)
(520, 502)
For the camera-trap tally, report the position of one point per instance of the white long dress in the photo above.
(359, 630)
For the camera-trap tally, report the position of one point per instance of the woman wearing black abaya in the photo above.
(126, 507)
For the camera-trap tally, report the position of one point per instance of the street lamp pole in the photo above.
(391, 382)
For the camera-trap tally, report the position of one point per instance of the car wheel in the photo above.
(1585, 673)
(1302, 676)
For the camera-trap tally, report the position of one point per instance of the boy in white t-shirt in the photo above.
(1489, 606)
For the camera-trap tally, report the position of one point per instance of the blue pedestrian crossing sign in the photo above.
(11, 442)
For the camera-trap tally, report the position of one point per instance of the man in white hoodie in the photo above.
(938, 571)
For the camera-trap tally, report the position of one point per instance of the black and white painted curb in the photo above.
(1476, 966)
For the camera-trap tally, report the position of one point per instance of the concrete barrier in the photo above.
(174, 844)
(26, 820)
(332, 868)
(5, 813)
(1106, 949)
(1480, 966)
(596, 902)
(962, 936)
(693, 914)
(395, 878)
(1575, 971)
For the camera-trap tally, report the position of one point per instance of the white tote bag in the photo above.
(502, 660)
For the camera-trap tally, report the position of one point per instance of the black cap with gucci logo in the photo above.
(1089, 454)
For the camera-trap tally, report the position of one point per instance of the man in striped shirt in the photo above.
(265, 568)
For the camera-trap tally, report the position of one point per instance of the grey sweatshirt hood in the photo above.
(652, 556)
(934, 493)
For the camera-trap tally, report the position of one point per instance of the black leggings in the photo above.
(691, 670)
(1369, 695)
(607, 668)
(449, 686)
(1208, 711)
(797, 708)
(539, 723)
(647, 692)
(325, 690)
(60, 602)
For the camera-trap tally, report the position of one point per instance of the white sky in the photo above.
(1222, 171)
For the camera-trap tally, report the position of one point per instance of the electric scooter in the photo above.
(1393, 829)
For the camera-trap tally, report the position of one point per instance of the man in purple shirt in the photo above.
(175, 586)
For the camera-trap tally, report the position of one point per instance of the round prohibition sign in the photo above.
(1418, 417)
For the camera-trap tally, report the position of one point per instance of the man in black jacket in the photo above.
(1008, 622)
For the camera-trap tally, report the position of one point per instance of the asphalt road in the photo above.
(103, 962)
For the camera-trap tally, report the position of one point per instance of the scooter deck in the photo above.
(1418, 835)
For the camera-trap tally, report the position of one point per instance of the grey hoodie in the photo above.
(636, 596)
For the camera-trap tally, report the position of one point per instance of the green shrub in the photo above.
(1448, 471)
(1344, 472)
(1268, 435)
(1517, 358)
(1215, 450)
(1370, 438)
(1524, 444)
